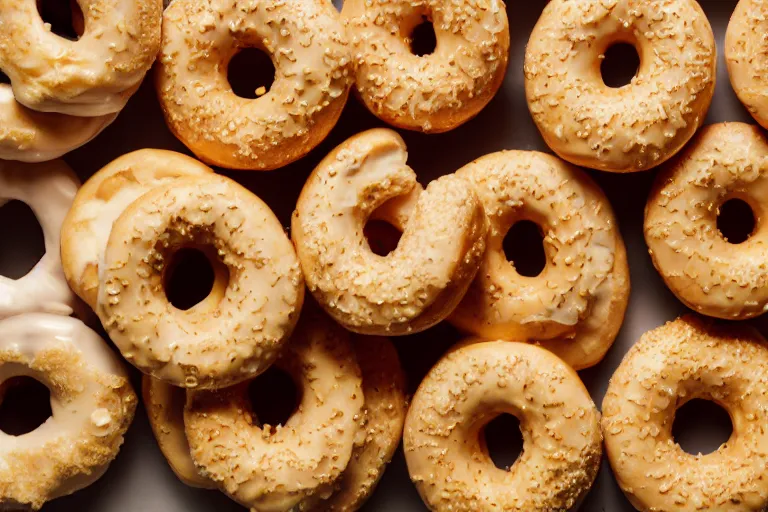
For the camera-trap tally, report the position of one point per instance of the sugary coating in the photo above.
(419, 283)
(313, 73)
(745, 55)
(709, 274)
(576, 306)
(444, 442)
(631, 128)
(93, 76)
(683, 360)
(92, 406)
(436, 92)
(237, 331)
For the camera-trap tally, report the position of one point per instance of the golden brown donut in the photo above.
(670, 365)
(436, 92)
(576, 306)
(236, 332)
(705, 271)
(93, 76)
(277, 468)
(92, 406)
(102, 199)
(745, 55)
(631, 128)
(418, 284)
(313, 72)
(444, 436)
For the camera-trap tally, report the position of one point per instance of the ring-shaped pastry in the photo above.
(745, 55)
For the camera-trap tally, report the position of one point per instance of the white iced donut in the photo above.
(48, 189)
(92, 404)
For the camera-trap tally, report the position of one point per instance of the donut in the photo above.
(102, 199)
(436, 92)
(444, 437)
(576, 306)
(706, 272)
(30, 136)
(236, 332)
(670, 365)
(745, 52)
(92, 406)
(419, 283)
(48, 189)
(313, 73)
(630, 128)
(276, 468)
(93, 76)
(165, 409)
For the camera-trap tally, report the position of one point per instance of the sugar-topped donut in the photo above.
(237, 331)
(102, 199)
(576, 305)
(709, 274)
(93, 76)
(745, 55)
(683, 360)
(435, 92)
(274, 468)
(313, 72)
(630, 128)
(444, 439)
(48, 189)
(92, 405)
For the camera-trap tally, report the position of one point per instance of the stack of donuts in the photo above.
(320, 302)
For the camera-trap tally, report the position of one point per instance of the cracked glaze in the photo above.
(634, 127)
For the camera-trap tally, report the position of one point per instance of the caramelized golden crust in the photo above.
(576, 306)
(237, 331)
(631, 128)
(91, 400)
(436, 92)
(313, 72)
(746, 54)
(93, 76)
(424, 278)
(670, 365)
(470, 386)
(709, 274)
(275, 468)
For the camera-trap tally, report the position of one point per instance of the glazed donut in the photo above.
(275, 468)
(576, 306)
(48, 189)
(93, 76)
(420, 282)
(670, 365)
(102, 199)
(631, 128)
(236, 332)
(444, 438)
(92, 406)
(745, 51)
(725, 161)
(313, 72)
(432, 93)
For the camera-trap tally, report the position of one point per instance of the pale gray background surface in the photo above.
(140, 480)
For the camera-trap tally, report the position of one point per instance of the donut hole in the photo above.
(524, 248)
(619, 65)
(251, 73)
(382, 236)
(23, 241)
(4, 79)
(735, 221)
(274, 397)
(25, 404)
(503, 440)
(191, 276)
(65, 17)
(701, 426)
(423, 39)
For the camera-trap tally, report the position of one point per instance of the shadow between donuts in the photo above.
(23, 243)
